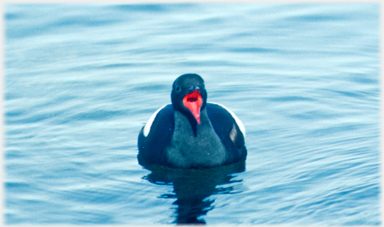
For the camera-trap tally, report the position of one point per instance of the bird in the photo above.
(191, 133)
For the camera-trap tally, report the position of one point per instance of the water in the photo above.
(81, 80)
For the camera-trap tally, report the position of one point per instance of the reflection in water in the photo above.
(192, 188)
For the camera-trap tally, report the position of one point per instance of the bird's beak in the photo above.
(193, 102)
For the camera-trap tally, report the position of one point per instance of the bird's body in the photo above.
(191, 133)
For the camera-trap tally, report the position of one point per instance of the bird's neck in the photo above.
(189, 124)
(202, 148)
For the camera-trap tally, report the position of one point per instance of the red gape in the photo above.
(193, 102)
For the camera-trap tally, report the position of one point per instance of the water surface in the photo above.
(81, 80)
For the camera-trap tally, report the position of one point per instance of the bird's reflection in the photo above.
(193, 187)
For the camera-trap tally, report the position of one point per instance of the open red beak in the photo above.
(193, 102)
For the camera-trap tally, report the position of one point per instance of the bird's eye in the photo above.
(178, 89)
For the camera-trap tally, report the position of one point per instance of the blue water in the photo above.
(81, 80)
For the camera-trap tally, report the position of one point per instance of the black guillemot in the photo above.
(191, 133)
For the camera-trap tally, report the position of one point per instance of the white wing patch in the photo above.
(148, 125)
(237, 120)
